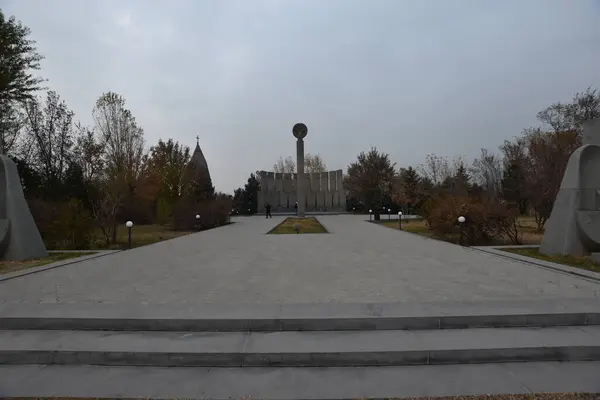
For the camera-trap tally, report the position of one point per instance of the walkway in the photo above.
(358, 262)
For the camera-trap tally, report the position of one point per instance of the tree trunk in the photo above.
(114, 233)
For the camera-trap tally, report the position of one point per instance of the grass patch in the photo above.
(12, 266)
(307, 225)
(412, 225)
(529, 232)
(141, 235)
(572, 261)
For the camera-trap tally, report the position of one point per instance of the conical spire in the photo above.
(198, 160)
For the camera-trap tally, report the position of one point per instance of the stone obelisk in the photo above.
(300, 130)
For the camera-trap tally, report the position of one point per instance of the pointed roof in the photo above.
(198, 160)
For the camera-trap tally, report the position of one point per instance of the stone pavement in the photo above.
(358, 262)
(298, 383)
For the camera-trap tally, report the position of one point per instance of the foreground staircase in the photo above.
(329, 351)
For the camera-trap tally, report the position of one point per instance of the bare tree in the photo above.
(435, 169)
(570, 117)
(558, 116)
(545, 163)
(12, 122)
(285, 166)
(105, 207)
(124, 159)
(314, 164)
(89, 154)
(50, 128)
(586, 105)
(487, 172)
(121, 138)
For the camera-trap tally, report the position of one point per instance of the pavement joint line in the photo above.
(547, 265)
(57, 264)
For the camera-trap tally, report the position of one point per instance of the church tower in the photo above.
(199, 175)
(198, 161)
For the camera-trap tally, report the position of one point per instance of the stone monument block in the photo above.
(287, 183)
(574, 224)
(278, 191)
(261, 195)
(332, 182)
(270, 181)
(321, 200)
(270, 188)
(315, 181)
(19, 237)
(324, 181)
(324, 187)
(336, 199)
(328, 199)
(293, 199)
(339, 178)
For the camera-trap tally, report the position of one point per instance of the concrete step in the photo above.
(299, 317)
(297, 383)
(300, 349)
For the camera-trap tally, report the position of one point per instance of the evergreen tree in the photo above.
(200, 185)
(18, 59)
(411, 188)
(370, 177)
(251, 195)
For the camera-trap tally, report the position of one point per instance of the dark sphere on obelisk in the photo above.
(300, 130)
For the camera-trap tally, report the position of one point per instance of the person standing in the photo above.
(268, 210)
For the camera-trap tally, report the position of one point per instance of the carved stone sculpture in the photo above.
(19, 236)
(574, 224)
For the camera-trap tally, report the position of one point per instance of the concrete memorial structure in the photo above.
(325, 191)
(320, 191)
(300, 131)
(19, 236)
(574, 224)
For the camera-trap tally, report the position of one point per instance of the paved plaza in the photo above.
(357, 262)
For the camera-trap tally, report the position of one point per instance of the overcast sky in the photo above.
(410, 77)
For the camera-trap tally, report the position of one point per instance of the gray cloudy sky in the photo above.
(410, 77)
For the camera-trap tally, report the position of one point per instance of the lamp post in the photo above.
(389, 213)
(129, 225)
(461, 223)
(370, 212)
(198, 221)
(400, 220)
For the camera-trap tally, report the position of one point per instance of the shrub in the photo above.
(485, 219)
(163, 211)
(212, 213)
(63, 225)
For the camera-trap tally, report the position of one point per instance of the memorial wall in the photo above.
(324, 191)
